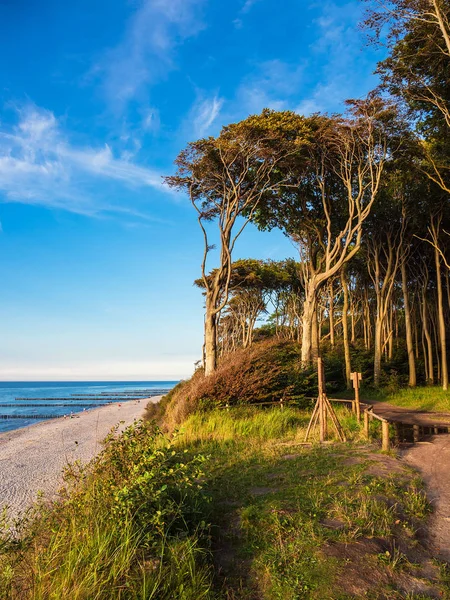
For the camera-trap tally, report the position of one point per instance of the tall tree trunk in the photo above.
(409, 338)
(315, 338)
(369, 324)
(425, 357)
(378, 348)
(331, 314)
(307, 319)
(366, 342)
(390, 332)
(426, 332)
(348, 367)
(210, 341)
(442, 333)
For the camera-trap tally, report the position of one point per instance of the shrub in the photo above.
(129, 522)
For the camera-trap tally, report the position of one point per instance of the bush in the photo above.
(268, 371)
(128, 526)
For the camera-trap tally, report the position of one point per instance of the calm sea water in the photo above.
(9, 391)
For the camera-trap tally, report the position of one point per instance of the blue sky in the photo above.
(97, 257)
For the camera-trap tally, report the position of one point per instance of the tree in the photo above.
(324, 208)
(226, 178)
(417, 71)
(253, 284)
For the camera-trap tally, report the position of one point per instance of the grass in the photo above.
(430, 398)
(233, 507)
(291, 522)
(130, 526)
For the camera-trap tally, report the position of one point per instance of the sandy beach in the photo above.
(32, 458)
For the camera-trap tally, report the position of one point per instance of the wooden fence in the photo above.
(367, 410)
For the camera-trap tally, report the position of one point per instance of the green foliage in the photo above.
(265, 140)
(128, 527)
(430, 398)
(270, 370)
(291, 522)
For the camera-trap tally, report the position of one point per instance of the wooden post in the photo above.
(366, 425)
(415, 433)
(356, 378)
(322, 410)
(385, 434)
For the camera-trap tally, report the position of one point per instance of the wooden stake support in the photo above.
(356, 379)
(323, 410)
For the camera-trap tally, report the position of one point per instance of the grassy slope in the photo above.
(292, 522)
(284, 521)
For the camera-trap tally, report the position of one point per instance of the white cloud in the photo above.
(146, 52)
(38, 165)
(204, 113)
(248, 5)
(342, 71)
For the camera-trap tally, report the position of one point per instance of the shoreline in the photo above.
(32, 458)
(72, 416)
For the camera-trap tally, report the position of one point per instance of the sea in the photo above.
(25, 403)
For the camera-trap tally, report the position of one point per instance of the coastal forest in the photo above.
(364, 198)
(218, 493)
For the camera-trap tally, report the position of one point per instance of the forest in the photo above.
(364, 198)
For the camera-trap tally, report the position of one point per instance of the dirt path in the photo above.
(432, 460)
(32, 458)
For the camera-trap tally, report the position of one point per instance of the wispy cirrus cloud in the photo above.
(336, 59)
(39, 165)
(203, 114)
(245, 8)
(146, 52)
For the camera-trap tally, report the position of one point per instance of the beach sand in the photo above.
(32, 458)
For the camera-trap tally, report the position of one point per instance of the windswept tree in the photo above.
(253, 285)
(226, 178)
(323, 208)
(417, 71)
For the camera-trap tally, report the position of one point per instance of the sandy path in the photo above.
(32, 458)
(433, 460)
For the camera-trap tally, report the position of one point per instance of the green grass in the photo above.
(278, 507)
(243, 422)
(130, 527)
(430, 398)
(234, 507)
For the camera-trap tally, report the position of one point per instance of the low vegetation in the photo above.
(128, 526)
(232, 506)
(420, 398)
(269, 371)
(292, 522)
